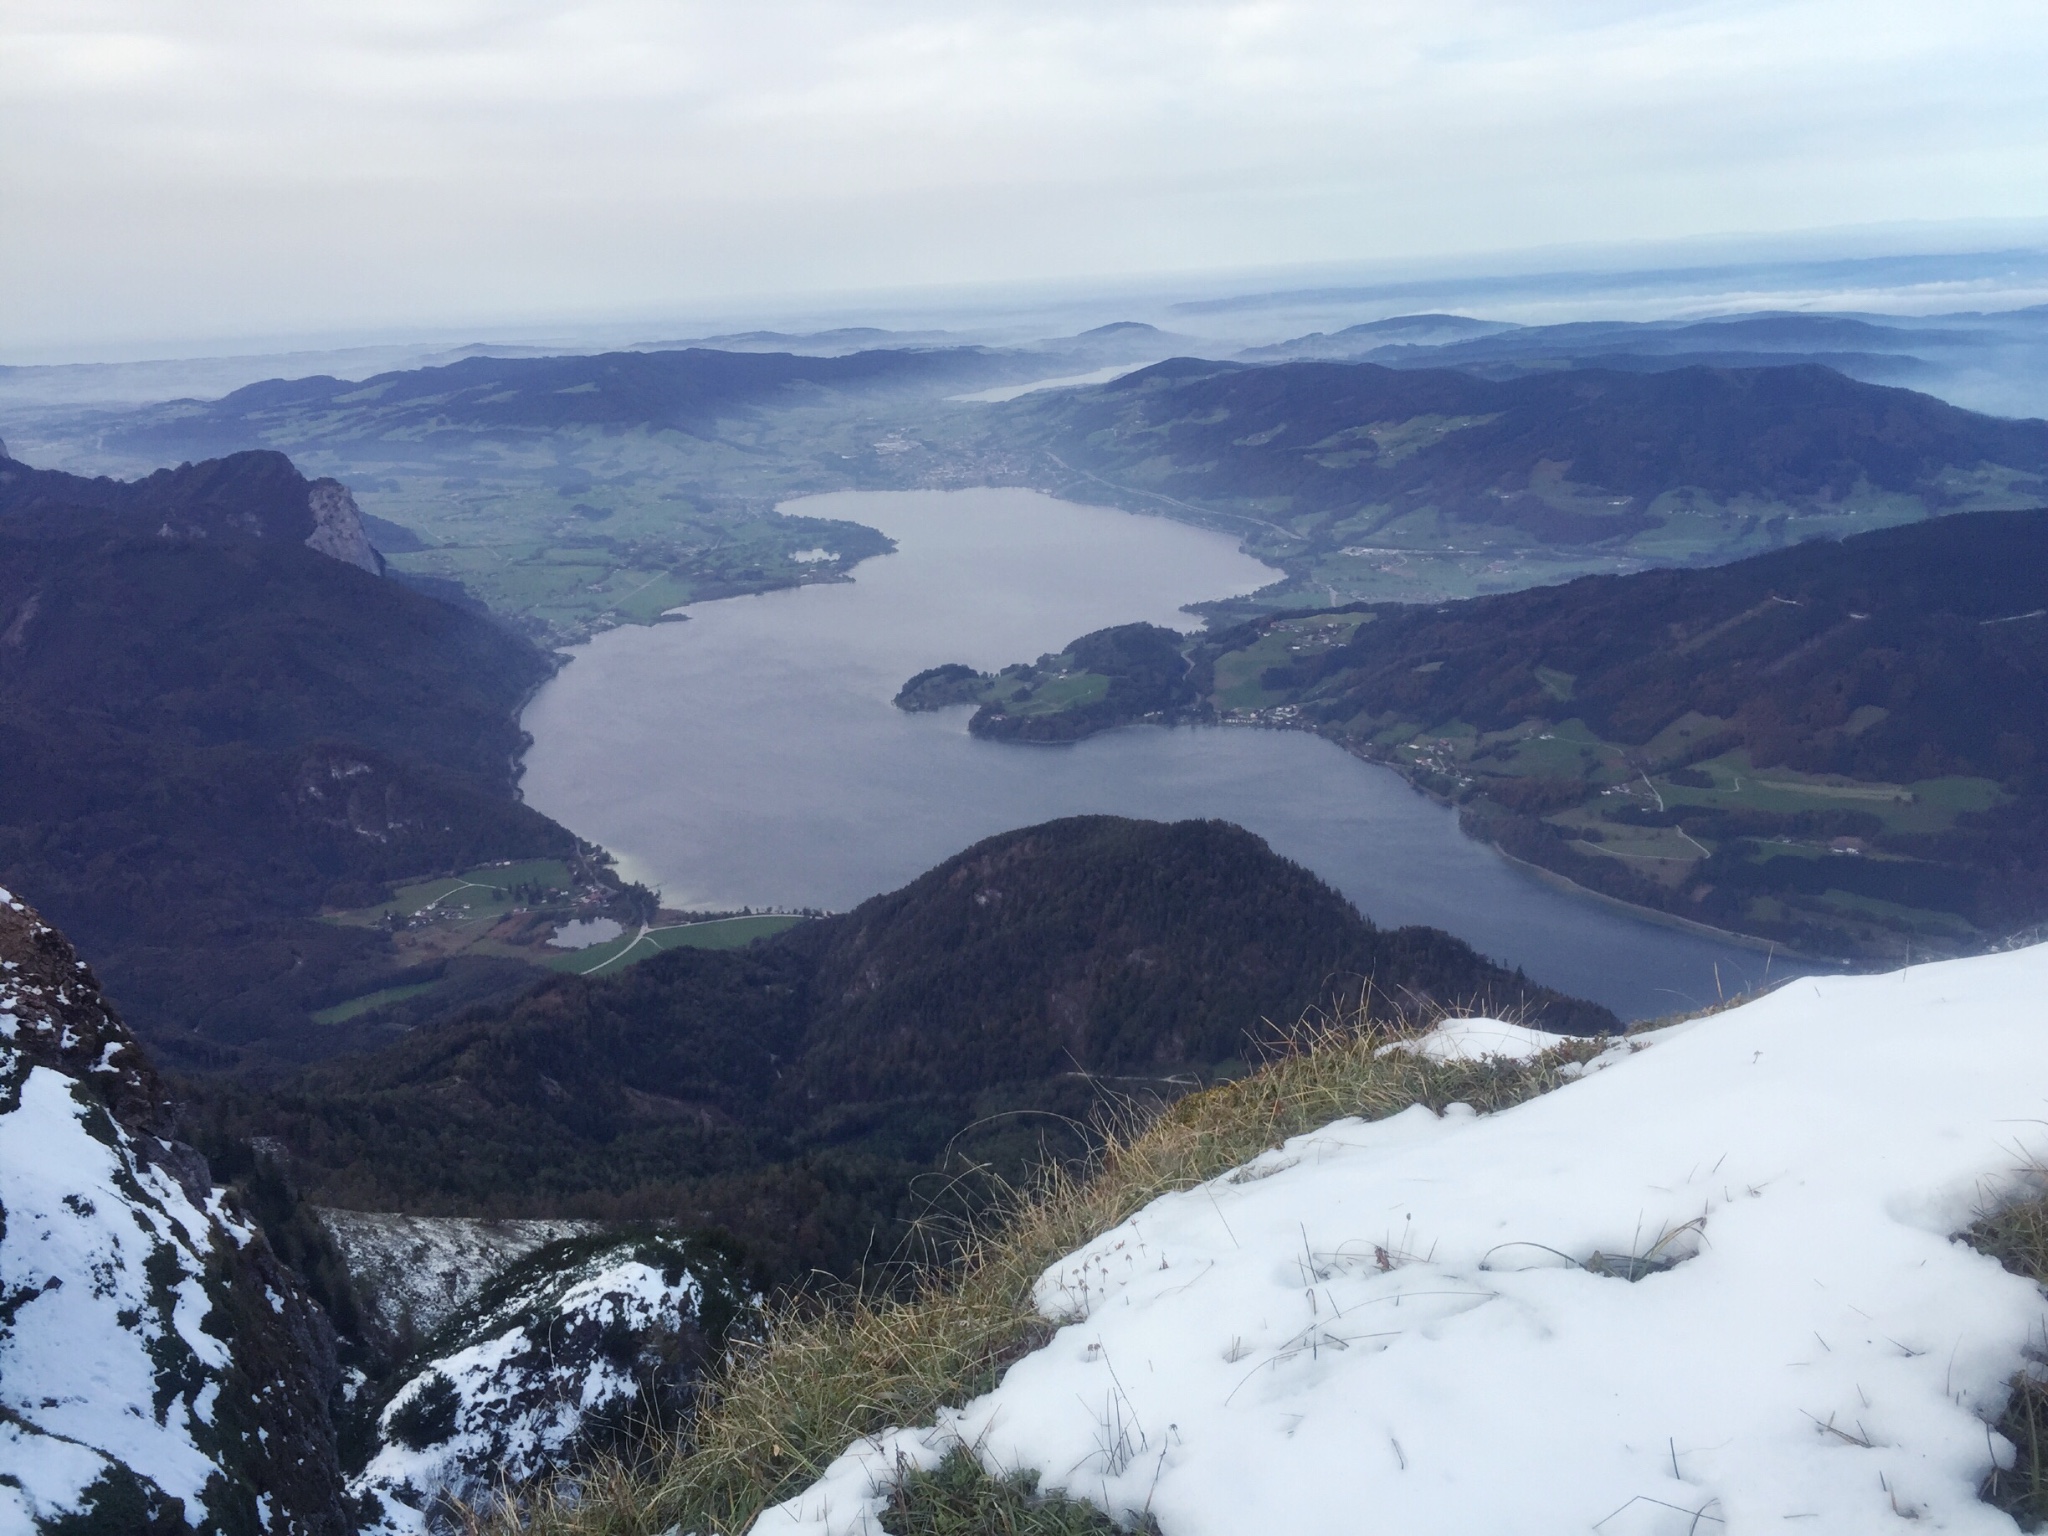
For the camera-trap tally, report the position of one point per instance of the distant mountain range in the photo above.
(1119, 341)
(1496, 349)
(1582, 457)
(1994, 361)
(1840, 746)
(795, 1091)
(575, 492)
(684, 391)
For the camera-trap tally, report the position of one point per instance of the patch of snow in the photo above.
(1713, 1286)
(105, 1356)
(1475, 1039)
(850, 1495)
(415, 1272)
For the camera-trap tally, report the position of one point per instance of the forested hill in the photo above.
(793, 1090)
(1860, 348)
(211, 728)
(686, 390)
(1840, 745)
(1328, 462)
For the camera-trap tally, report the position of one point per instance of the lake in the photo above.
(751, 756)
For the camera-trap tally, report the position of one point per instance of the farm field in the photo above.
(1672, 824)
(514, 912)
(707, 933)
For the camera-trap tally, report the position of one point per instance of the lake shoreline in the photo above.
(755, 757)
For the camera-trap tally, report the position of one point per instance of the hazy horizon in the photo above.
(221, 173)
(1664, 281)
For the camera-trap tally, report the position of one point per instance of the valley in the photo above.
(573, 494)
(526, 844)
(807, 788)
(533, 911)
(1184, 769)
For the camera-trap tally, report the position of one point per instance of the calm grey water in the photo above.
(751, 756)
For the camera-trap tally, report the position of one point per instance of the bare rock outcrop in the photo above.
(338, 527)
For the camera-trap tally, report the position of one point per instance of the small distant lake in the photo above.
(586, 932)
(751, 756)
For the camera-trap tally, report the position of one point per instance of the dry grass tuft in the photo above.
(958, 1498)
(830, 1372)
(2017, 1236)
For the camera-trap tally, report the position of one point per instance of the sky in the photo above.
(228, 168)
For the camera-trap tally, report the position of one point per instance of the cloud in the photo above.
(220, 165)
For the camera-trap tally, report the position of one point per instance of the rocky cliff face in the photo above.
(160, 1372)
(163, 1374)
(338, 527)
(257, 494)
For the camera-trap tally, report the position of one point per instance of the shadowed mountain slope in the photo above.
(792, 1091)
(212, 729)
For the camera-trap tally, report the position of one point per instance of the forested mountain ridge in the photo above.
(684, 390)
(792, 1092)
(1391, 482)
(1840, 746)
(256, 495)
(1337, 438)
(213, 729)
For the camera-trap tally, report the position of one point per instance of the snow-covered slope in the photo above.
(158, 1370)
(413, 1273)
(1713, 1286)
(584, 1339)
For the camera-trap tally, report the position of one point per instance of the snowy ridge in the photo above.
(123, 1280)
(101, 1267)
(575, 1346)
(413, 1273)
(1712, 1287)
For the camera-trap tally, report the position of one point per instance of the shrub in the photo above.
(427, 1417)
